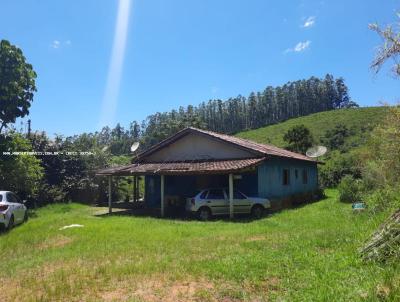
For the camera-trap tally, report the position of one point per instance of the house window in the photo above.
(286, 177)
(296, 173)
(305, 177)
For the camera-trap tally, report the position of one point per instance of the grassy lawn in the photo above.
(304, 254)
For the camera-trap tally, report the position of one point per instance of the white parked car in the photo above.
(216, 202)
(12, 210)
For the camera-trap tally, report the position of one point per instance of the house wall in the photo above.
(266, 181)
(196, 147)
(270, 178)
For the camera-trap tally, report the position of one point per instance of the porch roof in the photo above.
(183, 167)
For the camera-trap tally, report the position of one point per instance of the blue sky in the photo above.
(180, 52)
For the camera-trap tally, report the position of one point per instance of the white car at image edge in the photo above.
(12, 210)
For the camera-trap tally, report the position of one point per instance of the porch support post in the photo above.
(231, 195)
(109, 195)
(134, 189)
(137, 188)
(162, 195)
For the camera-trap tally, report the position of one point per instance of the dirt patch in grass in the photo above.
(174, 291)
(256, 238)
(55, 242)
(161, 289)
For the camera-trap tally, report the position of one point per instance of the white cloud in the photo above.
(301, 46)
(310, 21)
(55, 44)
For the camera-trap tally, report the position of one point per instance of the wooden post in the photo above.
(231, 195)
(109, 195)
(162, 195)
(137, 188)
(134, 189)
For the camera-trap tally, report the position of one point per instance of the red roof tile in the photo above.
(260, 151)
(180, 168)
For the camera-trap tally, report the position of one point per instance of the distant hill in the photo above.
(358, 120)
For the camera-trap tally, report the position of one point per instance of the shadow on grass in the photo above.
(181, 215)
(178, 216)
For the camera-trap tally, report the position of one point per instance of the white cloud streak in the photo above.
(310, 21)
(56, 44)
(110, 98)
(299, 47)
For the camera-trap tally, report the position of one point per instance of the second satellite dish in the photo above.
(134, 147)
(316, 151)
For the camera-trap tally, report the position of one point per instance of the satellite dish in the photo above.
(134, 147)
(316, 151)
(104, 149)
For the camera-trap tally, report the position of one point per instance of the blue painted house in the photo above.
(194, 159)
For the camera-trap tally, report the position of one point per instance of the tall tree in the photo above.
(298, 139)
(17, 84)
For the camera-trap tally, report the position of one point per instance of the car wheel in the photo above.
(204, 214)
(10, 223)
(26, 216)
(257, 211)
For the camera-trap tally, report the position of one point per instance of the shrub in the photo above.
(349, 189)
(20, 173)
(382, 199)
(336, 166)
(50, 194)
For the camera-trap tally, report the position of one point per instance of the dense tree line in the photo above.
(273, 105)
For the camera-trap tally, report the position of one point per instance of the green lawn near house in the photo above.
(303, 254)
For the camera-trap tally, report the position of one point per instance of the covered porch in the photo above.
(167, 185)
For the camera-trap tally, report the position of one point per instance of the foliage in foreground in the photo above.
(381, 160)
(381, 178)
(385, 242)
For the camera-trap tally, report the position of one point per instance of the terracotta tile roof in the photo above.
(261, 152)
(182, 168)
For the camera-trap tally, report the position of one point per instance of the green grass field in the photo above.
(303, 254)
(359, 120)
